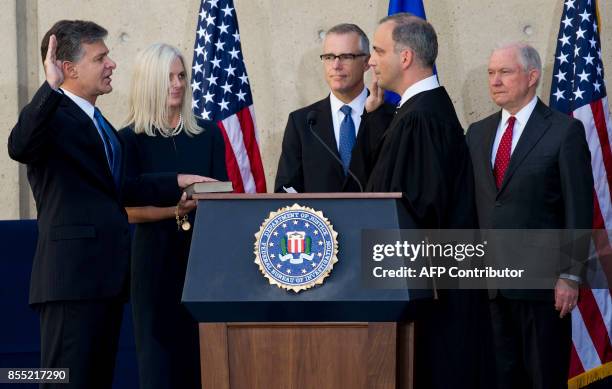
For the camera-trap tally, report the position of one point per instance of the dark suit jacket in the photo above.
(304, 163)
(548, 185)
(83, 243)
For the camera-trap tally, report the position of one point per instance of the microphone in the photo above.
(311, 120)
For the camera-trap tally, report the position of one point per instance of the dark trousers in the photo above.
(82, 336)
(167, 338)
(453, 348)
(532, 344)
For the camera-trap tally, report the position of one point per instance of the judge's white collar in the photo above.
(425, 84)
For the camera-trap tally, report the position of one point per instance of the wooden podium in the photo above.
(336, 335)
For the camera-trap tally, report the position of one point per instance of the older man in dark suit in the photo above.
(75, 168)
(323, 160)
(532, 171)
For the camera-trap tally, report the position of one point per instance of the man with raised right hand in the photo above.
(75, 168)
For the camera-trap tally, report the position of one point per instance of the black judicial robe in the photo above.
(424, 155)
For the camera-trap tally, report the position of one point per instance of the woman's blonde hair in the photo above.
(148, 111)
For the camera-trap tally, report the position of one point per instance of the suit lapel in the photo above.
(487, 149)
(325, 129)
(535, 128)
(325, 125)
(88, 129)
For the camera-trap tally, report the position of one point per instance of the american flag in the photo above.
(222, 93)
(578, 89)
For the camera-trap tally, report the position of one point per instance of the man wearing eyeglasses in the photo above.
(319, 147)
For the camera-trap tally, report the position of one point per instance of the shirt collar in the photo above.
(356, 105)
(521, 116)
(425, 84)
(85, 105)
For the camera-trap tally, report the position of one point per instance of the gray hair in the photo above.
(527, 55)
(416, 34)
(347, 28)
(70, 34)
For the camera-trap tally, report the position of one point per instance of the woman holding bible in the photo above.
(163, 135)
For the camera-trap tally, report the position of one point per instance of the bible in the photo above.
(209, 187)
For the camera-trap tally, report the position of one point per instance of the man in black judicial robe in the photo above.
(423, 154)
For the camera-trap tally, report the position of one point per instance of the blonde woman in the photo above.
(162, 134)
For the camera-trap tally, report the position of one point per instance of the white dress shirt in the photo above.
(357, 106)
(522, 117)
(88, 108)
(85, 105)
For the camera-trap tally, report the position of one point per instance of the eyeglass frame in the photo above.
(348, 57)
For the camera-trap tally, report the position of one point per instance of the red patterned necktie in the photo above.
(502, 158)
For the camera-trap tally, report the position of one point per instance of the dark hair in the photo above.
(414, 33)
(70, 34)
(347, 28)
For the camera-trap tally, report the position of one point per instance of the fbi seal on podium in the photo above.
(296, 248)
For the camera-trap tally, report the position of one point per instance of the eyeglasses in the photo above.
(344, 58)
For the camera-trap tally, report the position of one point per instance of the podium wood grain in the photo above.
(306, 355)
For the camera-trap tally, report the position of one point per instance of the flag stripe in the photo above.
(600, 175)
(593, 320)
(585, 349)
(576, 367)
(236, 138)
(250, 143)
(233, 171)
(252, 111)
(598, 221)
(259, 174)
(604, 140)
(604, 302)
(602, 246)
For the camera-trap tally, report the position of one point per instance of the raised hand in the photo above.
(53, 66)
(376, 97)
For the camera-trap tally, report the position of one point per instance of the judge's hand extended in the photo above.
(566, 296)
(184, 180)
(53, 66)
(185, 206)
(376, 97)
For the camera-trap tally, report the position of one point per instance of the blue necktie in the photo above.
(111, 145)
(347, 137)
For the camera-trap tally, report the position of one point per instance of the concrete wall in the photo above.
(9, 170)
(281, 42)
